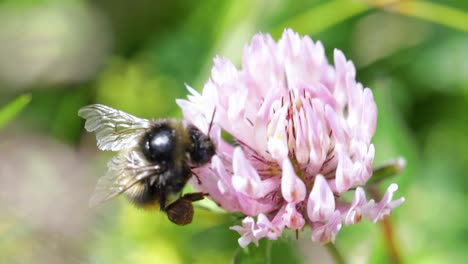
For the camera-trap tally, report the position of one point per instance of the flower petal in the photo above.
(245, 179)
(249, 232)
(272, 231)
(292, 218)
(321, 204)
(325, 233)
(293, 188)
(354, 214)
(386, 205)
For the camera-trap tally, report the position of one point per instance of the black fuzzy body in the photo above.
(175, 148)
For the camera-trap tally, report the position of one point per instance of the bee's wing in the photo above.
(115, 129)
(124, 170)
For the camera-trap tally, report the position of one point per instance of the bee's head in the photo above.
(201, 148)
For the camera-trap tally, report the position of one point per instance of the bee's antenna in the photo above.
(211, 122)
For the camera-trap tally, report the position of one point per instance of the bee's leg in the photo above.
(162, 200)
(193, 197)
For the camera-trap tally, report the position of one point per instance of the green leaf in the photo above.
(8, 112)
(323, 16)
(435, 13)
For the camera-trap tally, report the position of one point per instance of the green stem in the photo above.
(386, 171)
(235, 258)
(387, 228)
(268, 252)
(336, 255)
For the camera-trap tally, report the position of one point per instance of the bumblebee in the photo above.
(154, 161)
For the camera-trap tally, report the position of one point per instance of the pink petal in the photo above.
(293, 188)
(223, 71)
(354, 214)
(249, 232)
(272, 231)
(386, 205)
(344, 173)
(325, 233)
(237, 103)
(245, 179)
(336, 125)
(369, 115)
(277, 139)
(321, 204)
(292, 218)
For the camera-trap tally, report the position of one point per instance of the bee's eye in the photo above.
(159, 144)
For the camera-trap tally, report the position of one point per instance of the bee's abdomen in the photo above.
(142, 194)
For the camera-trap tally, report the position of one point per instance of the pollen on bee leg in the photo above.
(180, 212)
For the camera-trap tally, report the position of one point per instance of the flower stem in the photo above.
(389, 238)
(333, 250)
(268, 252)
(387, 228)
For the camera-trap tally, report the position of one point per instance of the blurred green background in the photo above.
(137, 55)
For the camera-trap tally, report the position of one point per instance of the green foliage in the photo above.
(145, 95)
(412, 54)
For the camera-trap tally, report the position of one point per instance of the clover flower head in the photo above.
(303, 130)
